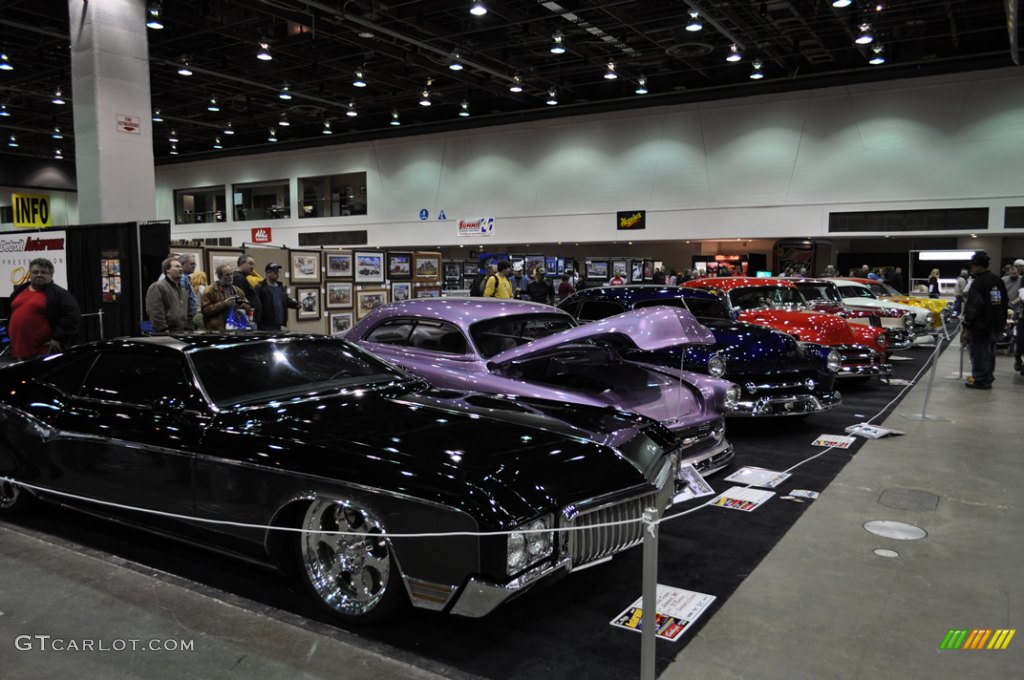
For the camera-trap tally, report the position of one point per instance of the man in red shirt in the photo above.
(44, 317)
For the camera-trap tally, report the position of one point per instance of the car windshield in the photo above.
(252, 371)
(819, 291)
(766, 296)
(700, 308)
(884, 289)
(855, 292)
(493, 336)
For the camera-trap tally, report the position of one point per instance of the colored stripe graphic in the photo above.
(978, 638)
(954, 638)
(982, 638)
(1002, 638)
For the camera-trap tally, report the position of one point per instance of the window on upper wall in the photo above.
(332, 195)
(205, 204)
(262, 200)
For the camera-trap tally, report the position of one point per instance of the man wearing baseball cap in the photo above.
(274, 303)
(984, 319)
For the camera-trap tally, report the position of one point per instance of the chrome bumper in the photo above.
(792, 405)
(901, 339)
(480, 598)
(711, 460)
(861, 370)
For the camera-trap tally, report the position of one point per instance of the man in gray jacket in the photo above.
(167, 302)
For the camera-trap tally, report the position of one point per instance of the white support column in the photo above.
(110, 90)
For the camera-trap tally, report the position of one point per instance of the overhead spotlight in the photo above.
(157, 118)
(153, 11)
(517, 84)
(464, 109)
(217, 144)
(456, 62)
(5, 63)
(327, 128)
(610, 74)
(57, 134)
(694, 24)
(359, 82)
(879, 7)
(552, 97)
(865, 37)
(272, 137)
(264, 52)
(174, 149)
(284, 120)
(641, 85)
(285, 93)
(734, 54)
(12, 142)
(557, 47)
(228, 130)
(757, 73)
(394, 118)
(841, 3)
(3, 111)
(58, 154)
(173, 137)
(425, 96)
(478, 9)
(58, 97)
(877, 56)
(351, 111)
(212, 106)
(185, 68)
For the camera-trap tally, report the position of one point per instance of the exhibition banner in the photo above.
(480, 226)
(17, 251)
(631, 219)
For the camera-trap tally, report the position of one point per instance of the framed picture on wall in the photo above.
(428, 292)
(399, 265)
(339, 295)
(309, 303)
(648, 270)
(341, 322)
(532, 262)
(427, 266)
(305, 267)
(619, 268)
(216, 257)
(637, 273)
(452, 270)
(401, 290)
(368, 299)
(597, 270)
(339, 265)
(197, 255)
(369, 266)
(470, 268)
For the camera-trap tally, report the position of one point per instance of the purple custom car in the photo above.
(532, 350)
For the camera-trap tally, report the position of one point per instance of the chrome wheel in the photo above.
(10, 494)
(349, 572)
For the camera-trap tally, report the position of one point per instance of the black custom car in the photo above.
(314, 433)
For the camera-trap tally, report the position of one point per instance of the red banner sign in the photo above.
(261, 235)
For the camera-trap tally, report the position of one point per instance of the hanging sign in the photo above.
(129, 124)
(481, 226)
(16, 252)
(631, 219)
(261, 235)
(31, 210)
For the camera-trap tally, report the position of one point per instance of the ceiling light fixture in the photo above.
(456, 63)
(394, 118)
(153, 10)
(552, 97)
(157, 118)
(877, 56)
(757, 73)
(264, 51)
(865, 37)
(464, 109)
(285, 93)
(517, 84)
(734, 54)
(228, 130)
(184, 69)
(212, 106)
(57, 134)
(173, 137)
(217, 144)
(284, 120)
(359, 82)
(641, 85)
(3, 111)
(425, 95)
(58, 97)
(841, 3)
(478, 9)
(351, 112)
(694, 24)
(58, 154)
(272, 137)
(557, 47)
(610, 74)
(174, 150)
(12, 142)
(5, 63)
(327, 128)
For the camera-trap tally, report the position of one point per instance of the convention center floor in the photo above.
(799, 590)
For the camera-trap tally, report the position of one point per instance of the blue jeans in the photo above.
(983, 359)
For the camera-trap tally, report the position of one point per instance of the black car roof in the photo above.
(638, 291)
(186, 341)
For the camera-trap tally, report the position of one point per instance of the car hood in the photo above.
(648, 329)
(824, 329)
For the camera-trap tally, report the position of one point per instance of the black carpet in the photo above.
(563, 630)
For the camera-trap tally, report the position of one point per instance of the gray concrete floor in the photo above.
(821, 605)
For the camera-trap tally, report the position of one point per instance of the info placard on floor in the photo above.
(677, 610)
(756, 476)
(834, 441)
(739, 498)
(696, 485)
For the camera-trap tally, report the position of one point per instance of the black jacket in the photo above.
(240, 282)
(62, 311)
(985, 308)
(265, 320)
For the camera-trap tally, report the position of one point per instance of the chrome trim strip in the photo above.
(428, 595)
(794, 405)
(479, 598)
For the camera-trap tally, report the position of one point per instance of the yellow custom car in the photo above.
(940, 308)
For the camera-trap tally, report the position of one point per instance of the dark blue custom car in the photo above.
(778, 375)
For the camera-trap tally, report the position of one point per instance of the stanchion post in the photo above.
(931, 382)
(649, 603)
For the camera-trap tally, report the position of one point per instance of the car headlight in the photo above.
(532, 542)
(908, 320)
(929, 317)
(882, 340)
(716, 365)
(834, 361)
(732, 397)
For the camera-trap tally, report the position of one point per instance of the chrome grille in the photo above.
(589, 542)
(693, 436)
